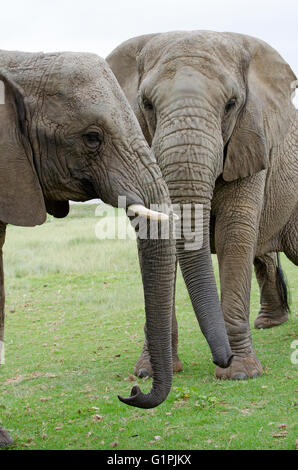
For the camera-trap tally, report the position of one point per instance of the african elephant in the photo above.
(67, 132)
(216, 109)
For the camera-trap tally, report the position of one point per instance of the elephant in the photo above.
(216, 109)
(67, 132)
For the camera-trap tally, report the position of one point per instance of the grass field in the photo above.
(74, 329)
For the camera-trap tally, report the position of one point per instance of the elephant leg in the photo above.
(235, 238)
(5, 438)
(143, 366)
(274, 306)
(289, 238)
(2, 293)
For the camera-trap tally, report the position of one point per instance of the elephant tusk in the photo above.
(150, 214)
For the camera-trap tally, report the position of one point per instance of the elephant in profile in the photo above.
(68, 132)
(216, 109)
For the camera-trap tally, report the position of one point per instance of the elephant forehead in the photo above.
(80, 83)
(73, 73)
(205, 48)
(38, 72)
(83, 106)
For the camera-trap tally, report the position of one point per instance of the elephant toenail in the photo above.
(255, 374)
(239, 376)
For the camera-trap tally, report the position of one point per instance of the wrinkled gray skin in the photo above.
(68, 132)
(216, 109)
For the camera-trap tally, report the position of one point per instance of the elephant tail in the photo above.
(282, 287)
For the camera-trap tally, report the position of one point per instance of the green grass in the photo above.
(74, 329)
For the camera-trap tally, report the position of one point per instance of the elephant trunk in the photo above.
(190, 163)
(197, 271)
(157, 265)
(157, 262)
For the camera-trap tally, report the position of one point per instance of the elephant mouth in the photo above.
(58, 209)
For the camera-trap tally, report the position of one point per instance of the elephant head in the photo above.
(68, 132)
(204, 101)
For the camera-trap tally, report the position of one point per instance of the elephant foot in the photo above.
(5, 438)
(241, 368)
(143, 366)
(269, 320)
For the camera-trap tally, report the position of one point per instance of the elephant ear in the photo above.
(266, 116)
(21, 198)
(123, 62)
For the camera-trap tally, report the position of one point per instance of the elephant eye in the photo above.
(147, 104)
(93, 140)
(230, 104)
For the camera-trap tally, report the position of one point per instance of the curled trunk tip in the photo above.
(141, 400)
